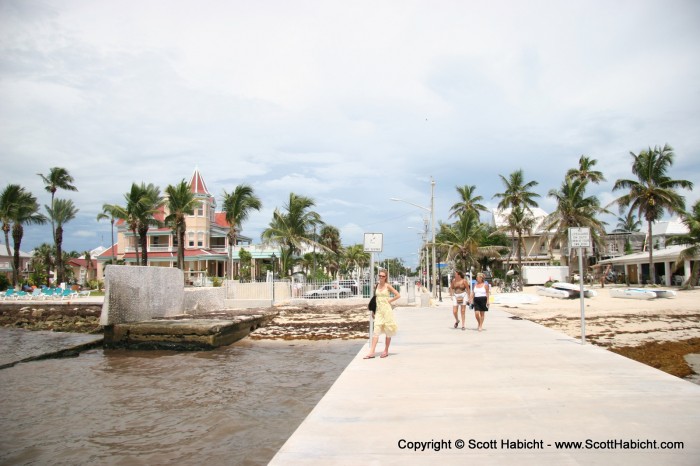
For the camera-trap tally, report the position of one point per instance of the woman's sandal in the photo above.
(456, 324)
(369, 357)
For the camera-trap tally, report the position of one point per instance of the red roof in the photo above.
(197, 184)
(220, 219)
(109, 252)
(82, 263)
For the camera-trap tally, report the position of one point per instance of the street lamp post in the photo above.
(432, 222)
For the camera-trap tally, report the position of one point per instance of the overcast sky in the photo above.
(349, 103)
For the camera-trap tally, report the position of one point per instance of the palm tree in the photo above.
(518, 195)
(149, 205)
(8, 205)
(237, 207)
(518, 221)
(468, 202)
(129, 213)
(627, 224)
(181, 203)
(62, 212)
(574, 210)
(653, 192)
(464, 240)
(294, 229)
(692, 241)
(44, 254)
(88, 265)
(356, 258)
(18, 207)
(329, 236)
(585, 171)
(109, 211)
(58, 178)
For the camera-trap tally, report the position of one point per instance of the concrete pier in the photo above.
(512, 394)
(180, 335)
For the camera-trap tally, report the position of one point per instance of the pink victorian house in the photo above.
(206, 240)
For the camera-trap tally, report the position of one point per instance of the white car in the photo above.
(329, 291)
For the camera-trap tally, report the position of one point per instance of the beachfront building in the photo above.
(635, 266)
(538, 248)
(6, 262)
(206, 243)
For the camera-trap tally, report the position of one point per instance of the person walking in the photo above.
(480, 299)
(459, 291)
(384, 316)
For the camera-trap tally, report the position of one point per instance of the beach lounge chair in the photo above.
(36, 295)
(68, 294)
(9, 294)
(84, 293)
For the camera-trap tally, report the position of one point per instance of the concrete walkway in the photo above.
(501, 396)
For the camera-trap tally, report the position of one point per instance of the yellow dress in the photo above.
(384, 317)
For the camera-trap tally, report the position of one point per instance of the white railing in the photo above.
(286, 289)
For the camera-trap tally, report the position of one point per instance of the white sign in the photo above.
(374, 242)
(580, 237)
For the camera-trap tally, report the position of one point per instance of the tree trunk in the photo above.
(652, 272)
(143, 238)
(6, 229)
(690, 281)
(17, 233)
(520, 260)
(59, 255)
(114, 256)
(181, 248)
(136, 244)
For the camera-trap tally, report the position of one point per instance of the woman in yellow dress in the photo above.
(384, 317)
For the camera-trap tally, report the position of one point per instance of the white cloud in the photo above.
(349, 103)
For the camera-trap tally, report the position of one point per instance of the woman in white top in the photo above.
(480, 299)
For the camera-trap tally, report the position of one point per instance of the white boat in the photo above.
(632, 293)
(574, 289)
(659, 293)
(553, 292)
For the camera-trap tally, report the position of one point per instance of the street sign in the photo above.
(374, 242)
(580, 237)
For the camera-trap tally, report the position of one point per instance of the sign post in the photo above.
(581, 238)
(374, 242)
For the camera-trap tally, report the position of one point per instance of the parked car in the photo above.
(329, 291)
(352, 284)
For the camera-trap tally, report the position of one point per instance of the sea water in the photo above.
(233, 405)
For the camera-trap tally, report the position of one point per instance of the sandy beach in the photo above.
(615, 322)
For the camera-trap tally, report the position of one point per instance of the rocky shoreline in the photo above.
(303, 322)
(77, 318)
(350, 322)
